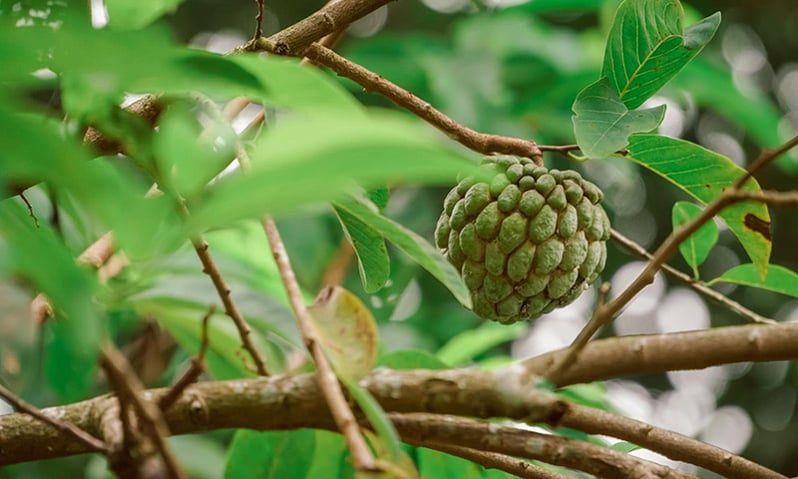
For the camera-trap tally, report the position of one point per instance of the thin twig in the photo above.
(370, 81)
(195, 368)
(690, 281)
(502, 462)
(99, 252)
(334, 274)
(333, 393)
(670, 246)
(775, 198)
(259, 19)
(92, 443)
(126, 384)
(561, 149)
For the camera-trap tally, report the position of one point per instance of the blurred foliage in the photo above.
(513, 71)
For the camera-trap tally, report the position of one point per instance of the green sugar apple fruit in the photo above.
(527, 241)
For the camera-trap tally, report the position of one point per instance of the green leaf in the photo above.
(465, 346)
(779, 279)
(133, 14)
(347, 332)
(592, 395)
(328, 457)
(411, 359)
(270, 454)
(37, 254)
(373, 261)
(421, 251)
(311, 160)
(548, 6)
(603, 124)
(435, 464)
(225, 356)
(696, 248)
(191, 153)
(704, 175)
(304, 88)
(647, 47)
(625, 447)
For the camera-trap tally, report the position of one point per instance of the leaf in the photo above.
(625, 447)
(421, 251)
(270, 454)
(411, 359)
(704, 175)
(134, 14)
(592, 395)
(548, 6)
(303, 88)
(373, 261)
(435, 464)
(387, 440)
(696, 248)
(328, 457)
(75, 333)
(465, 346)
(779, 279)
(603, 124)
(647, 47)
(346, 330)
(225, 356)
(289, 171)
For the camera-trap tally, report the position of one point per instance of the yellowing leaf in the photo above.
(347, 332)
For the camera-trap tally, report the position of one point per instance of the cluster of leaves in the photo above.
(320, 145)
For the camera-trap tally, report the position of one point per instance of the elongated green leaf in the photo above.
(697, 247)
(328, 457)
(603, 124)
(133, 14)
(548, 6)
(647, 47)
(225, 357)
(465, 346)
(289, 170)
(304, 88)
(421, 251)
(346, 330)
(373, 261)
(75, 333)
(779, 279)
(270, 454)
(704, 175)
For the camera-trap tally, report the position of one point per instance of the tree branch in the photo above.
(696, 285)
(330, 387)
(433, 430)
(288, 402)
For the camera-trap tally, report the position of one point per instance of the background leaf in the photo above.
(647, 47)
(411, 359)
(346, 330)
(465, 346)
(270, 454)
(421, 251)
(779, 279)
(344, 150)
(133, 14)
(704, 175)
(602, 123)
(76, 332)
(696, 248)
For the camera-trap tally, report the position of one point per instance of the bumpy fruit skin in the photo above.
(527, 241)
